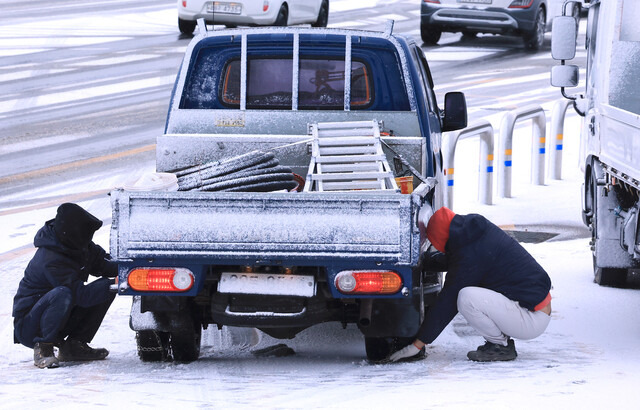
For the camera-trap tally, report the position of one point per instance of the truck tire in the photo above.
(378, 348)
(153, 346)
(186, 26)
(534, 39)
(430, 36)
(323, 15)
(603, 276)
(185, 345)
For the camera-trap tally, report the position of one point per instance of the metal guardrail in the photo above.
(538, 153)
(484, 130)
(558, 114)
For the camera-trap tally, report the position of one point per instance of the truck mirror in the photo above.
(563, 38)
(564, 76)
(455, 111)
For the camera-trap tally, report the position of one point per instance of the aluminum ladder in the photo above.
(347, 156)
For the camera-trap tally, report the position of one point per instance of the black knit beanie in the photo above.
(74, 226)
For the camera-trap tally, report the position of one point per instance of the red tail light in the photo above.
(160, 279)
(520, 4)
(368, 282)
(265, 6)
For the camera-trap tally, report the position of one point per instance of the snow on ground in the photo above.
(588, 357)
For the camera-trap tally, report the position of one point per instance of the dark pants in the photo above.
(55, 317)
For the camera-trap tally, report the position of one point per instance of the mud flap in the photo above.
(394, 317)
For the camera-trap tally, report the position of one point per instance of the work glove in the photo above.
(404, 353)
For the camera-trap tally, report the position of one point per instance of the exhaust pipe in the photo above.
(366, 306)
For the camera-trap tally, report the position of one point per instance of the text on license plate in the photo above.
(267, 284)
(225, 8)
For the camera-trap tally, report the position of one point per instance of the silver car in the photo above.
(529, 19)
(252, 13)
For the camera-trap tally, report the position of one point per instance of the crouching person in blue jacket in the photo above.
(495, 284)
(53, 305)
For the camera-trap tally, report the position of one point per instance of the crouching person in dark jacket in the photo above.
(53, 305)
(491, 280)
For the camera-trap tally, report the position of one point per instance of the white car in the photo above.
(252, 13)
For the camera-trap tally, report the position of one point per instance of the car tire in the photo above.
(534, 39)
(152, 346)
(469, 35)
(430, 36)
(283, 17)
(323, 15)
(186, 26)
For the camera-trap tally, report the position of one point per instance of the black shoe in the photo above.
(43, 356)
(491, 352)
(75, 351)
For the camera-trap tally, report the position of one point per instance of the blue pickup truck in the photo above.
(351, 118)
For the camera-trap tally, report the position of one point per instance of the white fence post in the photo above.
(538, 151)
(484, 130)
(558, 114)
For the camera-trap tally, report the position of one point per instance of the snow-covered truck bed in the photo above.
(343, 245)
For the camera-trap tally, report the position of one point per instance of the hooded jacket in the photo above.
(478, 253)
(57, 264)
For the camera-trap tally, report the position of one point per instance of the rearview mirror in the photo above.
(563, 38)
(455, 111)
(564, 76)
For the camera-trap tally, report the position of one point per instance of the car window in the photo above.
(321, 85)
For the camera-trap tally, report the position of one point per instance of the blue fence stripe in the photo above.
(450, 182)
(489, 169)
(507, 163)
(559, 147)
(542, 150)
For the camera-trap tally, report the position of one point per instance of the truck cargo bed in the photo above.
(302, 227)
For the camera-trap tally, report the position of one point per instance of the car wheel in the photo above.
(186, 26)
(152, 346)
(534, 39)
(469, 35)
(323, 15)
(283, 17)
(429, 35)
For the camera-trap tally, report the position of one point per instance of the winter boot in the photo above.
(491, 352)
(43, 356)
(75, 351)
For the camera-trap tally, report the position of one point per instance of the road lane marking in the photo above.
(76, 164)
(82, 196)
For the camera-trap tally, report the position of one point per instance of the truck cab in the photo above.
(610, 136)
(343, 246)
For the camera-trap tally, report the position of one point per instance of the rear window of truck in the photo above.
(321, 84)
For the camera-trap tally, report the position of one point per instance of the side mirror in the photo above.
(563, 38)
(455, 112)
(564, 76)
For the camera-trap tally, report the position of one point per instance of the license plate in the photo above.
(267, 284)
(224, 8)
(476, 1)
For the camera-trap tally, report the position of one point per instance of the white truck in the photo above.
(610, 140)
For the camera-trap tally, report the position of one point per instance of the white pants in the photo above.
(497, 317)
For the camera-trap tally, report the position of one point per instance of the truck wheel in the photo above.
(185, 346)
(603, 276)
(186, 26)
(323, 15)
(430, 36)
(152, 346)
(534, 39)
(283, 17)
(378, 348)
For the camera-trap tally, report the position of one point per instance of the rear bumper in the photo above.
(246, 18)
(479, 19)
